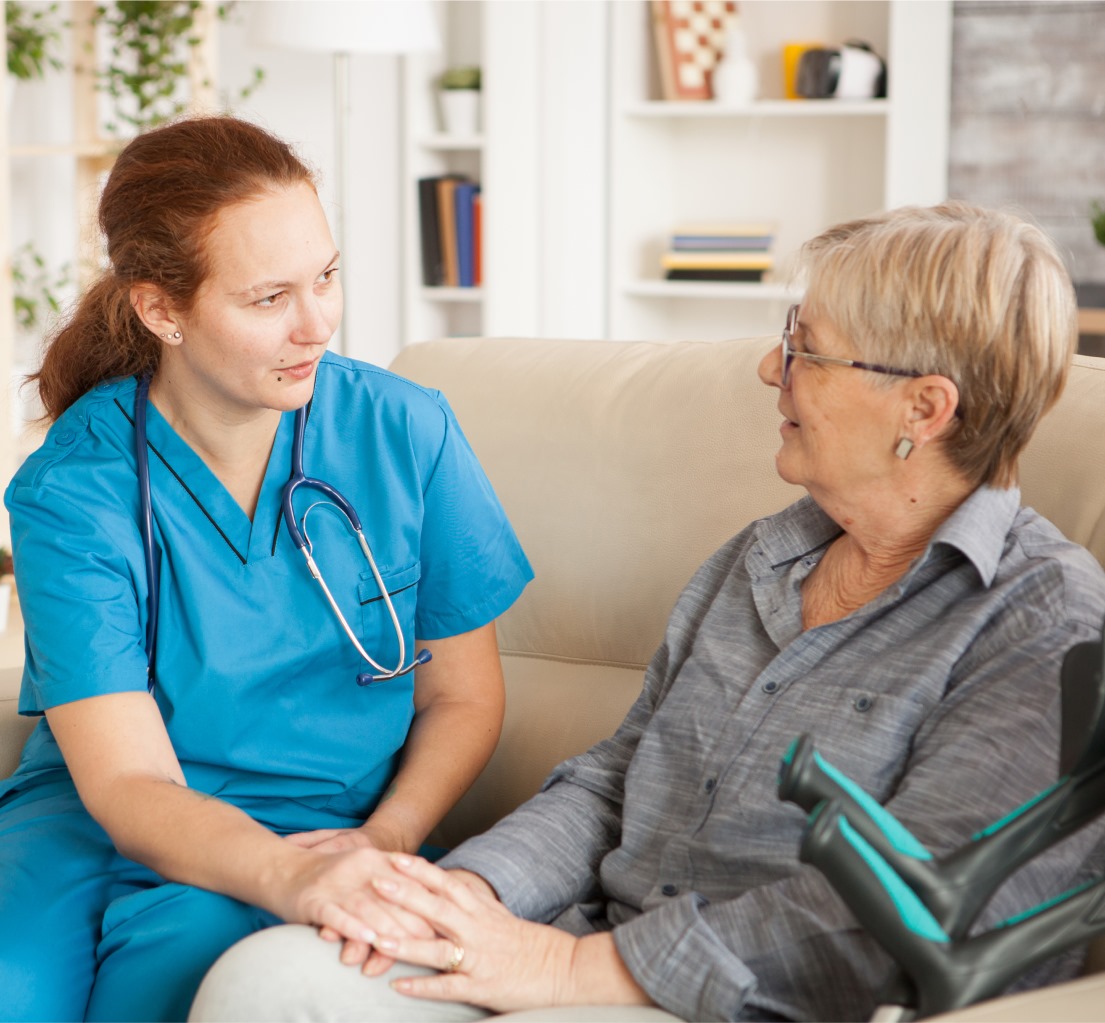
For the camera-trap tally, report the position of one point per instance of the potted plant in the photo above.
(34, 34)
(1097, 219)
(460, 100)
(149, 43)
(36, 291)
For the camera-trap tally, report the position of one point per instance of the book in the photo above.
(477, 219)
(464, 198)
(447, 222)
(714, 275)
(716, 260)
(433, 269)
(726, 243)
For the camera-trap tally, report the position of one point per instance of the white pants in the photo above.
(289, 973)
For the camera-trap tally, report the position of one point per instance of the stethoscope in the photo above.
(299, 537)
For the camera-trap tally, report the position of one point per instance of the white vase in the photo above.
(460, 111)
(736, 80)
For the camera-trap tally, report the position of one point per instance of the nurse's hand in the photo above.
(335, 840)
(338, 840)
(370, 835)
(334, 891)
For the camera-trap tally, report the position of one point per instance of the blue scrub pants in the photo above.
(88, 934)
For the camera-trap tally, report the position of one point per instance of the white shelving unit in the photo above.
(90, 156)
(799, 164)
(541, 160)
(432, 312)
(761, 108)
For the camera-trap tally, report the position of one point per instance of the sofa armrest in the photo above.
(13, 728)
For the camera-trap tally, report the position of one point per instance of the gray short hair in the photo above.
(979, 296)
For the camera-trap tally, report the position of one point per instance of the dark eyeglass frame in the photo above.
(788, 355)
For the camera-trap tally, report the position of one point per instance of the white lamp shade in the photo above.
(345, 26)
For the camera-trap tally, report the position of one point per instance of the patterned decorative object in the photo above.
(690, 40)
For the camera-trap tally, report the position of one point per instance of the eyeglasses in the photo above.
(789, 355)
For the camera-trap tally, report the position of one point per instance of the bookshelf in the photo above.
(428, 151)
(586, 171)
(800, 164)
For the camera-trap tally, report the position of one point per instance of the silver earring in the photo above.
(905, 446)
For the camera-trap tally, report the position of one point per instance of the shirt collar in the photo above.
(977, 529)
(794, 532)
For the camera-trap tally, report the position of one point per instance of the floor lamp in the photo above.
(343, 27)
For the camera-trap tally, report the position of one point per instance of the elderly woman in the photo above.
(908, 612)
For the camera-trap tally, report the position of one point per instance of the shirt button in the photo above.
(669, 889)
(710, 783)
(770, 687)
(107, 385)
(65, 437)
(863, 703)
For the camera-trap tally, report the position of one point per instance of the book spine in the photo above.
(466, 272)
(447, 220)
(689, 243)
(714, 275)
(430, 232)
(477, 231)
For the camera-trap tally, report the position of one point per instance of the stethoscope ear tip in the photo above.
(423, 656)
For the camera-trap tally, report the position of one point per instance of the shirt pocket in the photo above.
(864, 733)
(378, 631)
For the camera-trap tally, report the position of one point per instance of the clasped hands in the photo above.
(389, 907)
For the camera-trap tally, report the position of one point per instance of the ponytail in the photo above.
(104, 338)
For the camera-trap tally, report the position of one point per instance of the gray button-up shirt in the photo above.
(940, 697)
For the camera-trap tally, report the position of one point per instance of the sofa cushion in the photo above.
(1062, 471)
(622, 467)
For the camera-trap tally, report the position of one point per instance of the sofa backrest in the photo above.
(622, 467)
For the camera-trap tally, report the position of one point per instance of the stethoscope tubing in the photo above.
(299, 537)
(145, 522)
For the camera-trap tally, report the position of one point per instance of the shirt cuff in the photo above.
(499, 869)
(537, 869)
(678, 959)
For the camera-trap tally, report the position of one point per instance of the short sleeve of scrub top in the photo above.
(255, 677)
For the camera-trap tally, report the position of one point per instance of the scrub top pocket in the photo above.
(377, 630)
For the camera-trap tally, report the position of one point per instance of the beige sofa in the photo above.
(622, 466)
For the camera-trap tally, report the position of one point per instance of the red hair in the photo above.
(157, 208)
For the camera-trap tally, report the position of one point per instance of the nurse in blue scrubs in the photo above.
(243, 762)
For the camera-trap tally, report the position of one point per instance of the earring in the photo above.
(175, 335)
(905, 446)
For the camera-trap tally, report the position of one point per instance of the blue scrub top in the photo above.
(256, 680)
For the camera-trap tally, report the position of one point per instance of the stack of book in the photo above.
(450, 209)
(719, 252)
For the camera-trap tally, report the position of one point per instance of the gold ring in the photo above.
(454, 960)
